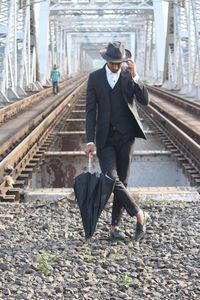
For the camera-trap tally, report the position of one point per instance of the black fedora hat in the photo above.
(115, 52)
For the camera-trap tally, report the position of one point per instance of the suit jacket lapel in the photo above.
(123, 82)
(105, 83)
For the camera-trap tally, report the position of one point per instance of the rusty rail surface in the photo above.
(24, 157)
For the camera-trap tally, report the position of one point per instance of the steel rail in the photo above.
(19, 106)
(12, 142)
(188, 151)
(192, 106)
(192, 147)
(23, 154)
(20, 156)
(179, 123)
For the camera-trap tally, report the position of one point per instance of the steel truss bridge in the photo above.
(163, 36)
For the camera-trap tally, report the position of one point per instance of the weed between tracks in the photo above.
(125, 280)
(44, 264)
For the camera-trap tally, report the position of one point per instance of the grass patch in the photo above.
(44, 265)
(90, 257)
(150, 201)
(55, 257)
(130, 245)
(115, 256)
(125, 280)
(43, 262)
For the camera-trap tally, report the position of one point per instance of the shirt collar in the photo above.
(108, 71)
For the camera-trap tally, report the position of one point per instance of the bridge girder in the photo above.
(28, 41)
(182, 55)
(133, 17)
(18, 51)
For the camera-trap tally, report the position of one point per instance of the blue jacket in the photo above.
(55, 75)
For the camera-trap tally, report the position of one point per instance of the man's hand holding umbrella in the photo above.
(90, 148)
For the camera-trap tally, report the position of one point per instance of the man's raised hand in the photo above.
(131, 67)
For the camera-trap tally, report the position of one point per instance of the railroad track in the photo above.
(185, 149)
(182, 112)
(12, 110)
(59, 129)
(41, 105)
(25, 151)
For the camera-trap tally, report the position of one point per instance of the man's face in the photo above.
(114, 67)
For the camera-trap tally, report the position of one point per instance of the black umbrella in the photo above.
(92, 192)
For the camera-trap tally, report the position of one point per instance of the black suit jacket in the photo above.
(98, 104)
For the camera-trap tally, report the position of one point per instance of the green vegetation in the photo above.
(115, 256)
(150, 201)
(55, 257)
(124, 280)
(43, 264)
(130, 245)
(185, 203)
(90, 257)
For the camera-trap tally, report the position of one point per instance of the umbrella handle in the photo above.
(90, 162)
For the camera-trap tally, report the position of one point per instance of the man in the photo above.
(55, 76)
(111, 114)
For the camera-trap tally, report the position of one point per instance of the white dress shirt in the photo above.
(112, 77)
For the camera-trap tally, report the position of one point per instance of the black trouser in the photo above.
(55, 87)
(115, 160)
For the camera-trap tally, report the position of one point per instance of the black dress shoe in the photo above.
(117, 235)
(141, 228)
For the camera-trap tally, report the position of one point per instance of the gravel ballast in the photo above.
(44, 255)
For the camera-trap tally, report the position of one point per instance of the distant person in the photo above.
(55, 76)
(112, 124)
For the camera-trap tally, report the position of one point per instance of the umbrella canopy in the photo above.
(92, 192)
